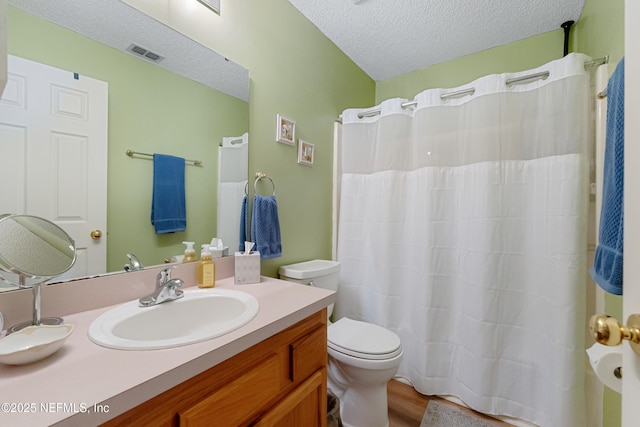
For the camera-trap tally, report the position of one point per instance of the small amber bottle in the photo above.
(206, 269)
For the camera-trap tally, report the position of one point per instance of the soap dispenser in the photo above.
(206, 269)
(189, 252)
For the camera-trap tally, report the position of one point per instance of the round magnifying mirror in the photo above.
(32, 251)
(34, 248)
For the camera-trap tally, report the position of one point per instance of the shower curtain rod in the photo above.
(471, 91)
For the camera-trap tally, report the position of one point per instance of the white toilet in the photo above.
(362, 357)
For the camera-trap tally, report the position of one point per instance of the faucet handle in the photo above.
(163, 276)
(174, 283)
(134, 264)
(171, 291)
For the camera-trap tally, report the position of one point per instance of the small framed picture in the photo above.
(305, 153)
(285, 130)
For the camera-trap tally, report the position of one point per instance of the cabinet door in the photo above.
(304, 406)
(239, 402)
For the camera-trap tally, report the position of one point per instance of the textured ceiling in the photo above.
(118, 25)
(387, 38)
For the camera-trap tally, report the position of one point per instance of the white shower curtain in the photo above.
(462, 228)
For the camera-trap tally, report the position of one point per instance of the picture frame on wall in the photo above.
(305, 153)
(285, 130)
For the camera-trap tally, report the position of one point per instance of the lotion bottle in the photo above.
(189, 252)
(206, 269)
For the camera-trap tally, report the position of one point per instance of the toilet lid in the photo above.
(361, 339)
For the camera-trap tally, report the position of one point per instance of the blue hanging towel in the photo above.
(168, 205)
(607, 268)
(244, 223)
(265, 227)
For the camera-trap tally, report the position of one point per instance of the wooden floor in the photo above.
(407, 406)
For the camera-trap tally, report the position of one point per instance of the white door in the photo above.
(631, 301)
(53, 154)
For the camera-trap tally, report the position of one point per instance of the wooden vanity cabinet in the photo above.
(281, 381)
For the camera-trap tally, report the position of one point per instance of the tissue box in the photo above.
(247, 268)
(218, 253)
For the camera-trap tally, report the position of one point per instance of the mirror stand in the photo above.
(37, 320)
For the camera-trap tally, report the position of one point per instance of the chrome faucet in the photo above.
(166, 289)
(134, 264)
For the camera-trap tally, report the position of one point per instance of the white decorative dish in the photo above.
(33, 343)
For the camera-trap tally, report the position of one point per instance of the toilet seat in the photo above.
(363, 340)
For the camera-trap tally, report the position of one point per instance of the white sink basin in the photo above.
(200, 315)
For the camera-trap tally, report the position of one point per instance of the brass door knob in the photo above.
(96, 234)
(608, 331)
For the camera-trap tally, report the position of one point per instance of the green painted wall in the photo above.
(600, 30)
(150, 110)
(297, 72)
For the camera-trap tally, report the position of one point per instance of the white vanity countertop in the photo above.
(85, 384)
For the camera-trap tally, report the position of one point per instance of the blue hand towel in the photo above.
(168, 205)
(265, 227)
(607, 268)
(244, 225)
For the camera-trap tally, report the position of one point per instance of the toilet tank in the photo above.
(323, 273)
(318, 272)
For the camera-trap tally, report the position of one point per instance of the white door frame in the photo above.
(631, 275)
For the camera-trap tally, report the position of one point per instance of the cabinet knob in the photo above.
(608, 331)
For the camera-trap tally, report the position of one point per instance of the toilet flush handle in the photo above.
(311, 283)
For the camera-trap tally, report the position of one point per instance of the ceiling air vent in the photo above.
(145, 53)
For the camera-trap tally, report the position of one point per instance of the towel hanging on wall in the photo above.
(168, 205)
(244, 223)
(265, 227)
(607, 268)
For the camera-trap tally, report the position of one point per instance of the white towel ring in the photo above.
(260, 176)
